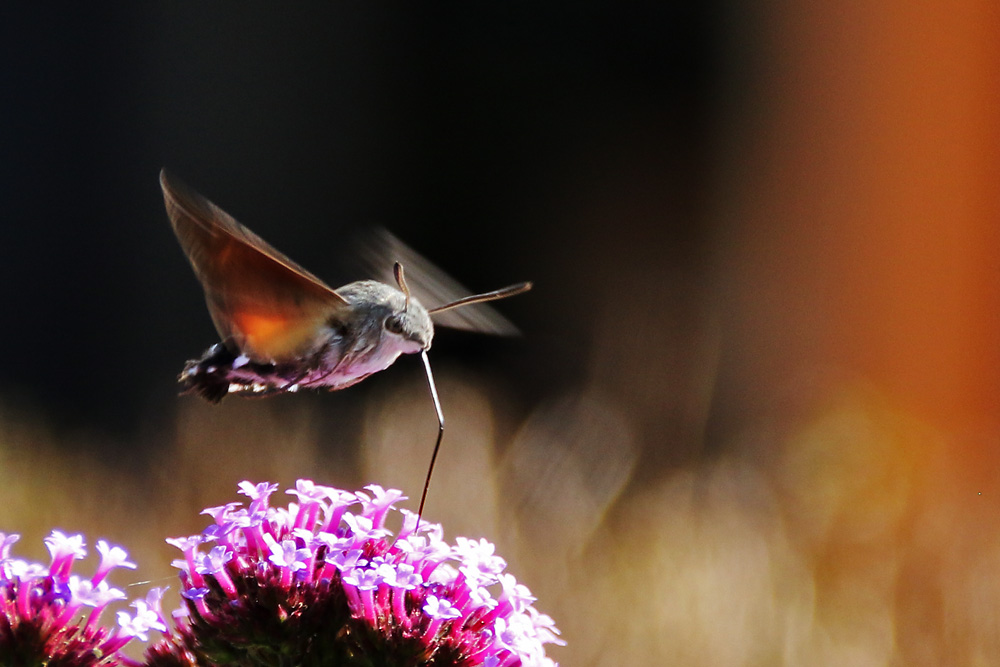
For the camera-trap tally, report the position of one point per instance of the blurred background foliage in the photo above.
(753, 418)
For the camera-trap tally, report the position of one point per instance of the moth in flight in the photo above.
(282, 329)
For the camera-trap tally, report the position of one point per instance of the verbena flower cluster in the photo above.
(320, 581)
(50, 616)
(323, 582)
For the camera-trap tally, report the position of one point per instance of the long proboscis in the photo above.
(437, 445)
(502, 293)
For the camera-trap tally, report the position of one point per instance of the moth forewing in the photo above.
(260, 300)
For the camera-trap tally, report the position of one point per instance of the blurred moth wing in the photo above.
(431, 285)
(268, 306)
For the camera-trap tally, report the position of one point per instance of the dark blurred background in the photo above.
(469, 132)
(753, 415)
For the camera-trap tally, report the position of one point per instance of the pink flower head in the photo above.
(48, 615)
(300, 587)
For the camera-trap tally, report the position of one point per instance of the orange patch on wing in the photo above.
(273, 337)
(261, 327)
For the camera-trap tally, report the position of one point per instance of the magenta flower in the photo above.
(49, 616)
(314, 583)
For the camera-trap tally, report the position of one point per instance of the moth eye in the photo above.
(394, 325)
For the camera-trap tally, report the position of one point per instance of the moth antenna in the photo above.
(437, 445)
(501, 293)
(397, 272)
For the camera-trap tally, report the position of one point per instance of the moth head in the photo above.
(411, 323)
(411, 326)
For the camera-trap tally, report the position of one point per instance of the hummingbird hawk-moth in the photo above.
(283, 329)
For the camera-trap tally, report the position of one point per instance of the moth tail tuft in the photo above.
(208, 377)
